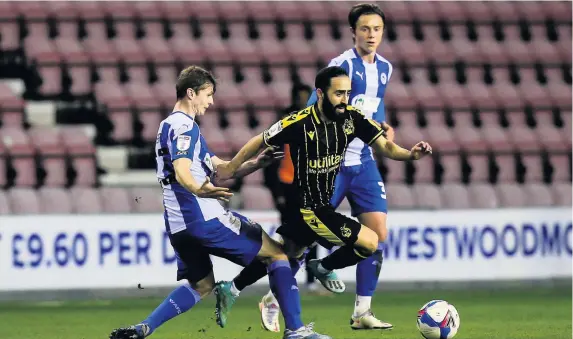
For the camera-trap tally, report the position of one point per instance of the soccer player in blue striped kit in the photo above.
(359, 179)
(199, 226)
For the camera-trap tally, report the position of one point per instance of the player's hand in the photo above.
(420, 150)
(223, 172)
(268, 156)
(388, 131)
(208, 190)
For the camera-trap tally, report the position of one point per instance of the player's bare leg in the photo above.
(367, 273)
(345, 256)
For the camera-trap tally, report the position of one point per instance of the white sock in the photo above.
(270, 298)
(234, 290)
(362, 305)
(321, 269)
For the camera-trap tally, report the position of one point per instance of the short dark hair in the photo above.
(324, 77)
(299, 87)
(193, 77)
(364, 9)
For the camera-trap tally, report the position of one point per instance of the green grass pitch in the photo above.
(543, 313)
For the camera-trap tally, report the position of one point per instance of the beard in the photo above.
(329, 110)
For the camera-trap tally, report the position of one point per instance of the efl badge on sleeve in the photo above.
(183, 142)
(273, 130)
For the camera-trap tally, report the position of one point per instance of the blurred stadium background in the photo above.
(85, 84)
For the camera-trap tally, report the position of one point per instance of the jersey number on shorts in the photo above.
(383, 195)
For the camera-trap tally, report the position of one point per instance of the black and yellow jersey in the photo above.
(317, 148)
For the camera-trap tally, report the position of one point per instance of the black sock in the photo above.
(250, 274)
(343, 257)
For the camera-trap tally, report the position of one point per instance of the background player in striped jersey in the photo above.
(359, 179)
(197, 224)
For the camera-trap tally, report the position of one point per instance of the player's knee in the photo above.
(369, 243)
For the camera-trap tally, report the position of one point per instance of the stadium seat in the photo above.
(455, 196)
(24, 201)
(562, 194)
(257, 198)
(4, 206)
(116, 200)
(427, 196)
(482, 195)
(538, 195)
(86, 200)
(399, 196)
(511, 195)
(561, 166)
(452, 167)
(54, 201)
(147, 200)
(255, 178)
(479, 164)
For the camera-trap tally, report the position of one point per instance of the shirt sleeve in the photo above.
(365, 129)
(184, 141)
(281, 132)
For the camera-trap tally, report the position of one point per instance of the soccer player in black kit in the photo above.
(318, 137)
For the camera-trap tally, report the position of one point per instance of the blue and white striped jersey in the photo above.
(179, 137)
(369, 83)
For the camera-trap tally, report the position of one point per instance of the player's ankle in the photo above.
(321, 269)
(362, 305)
(270, 298)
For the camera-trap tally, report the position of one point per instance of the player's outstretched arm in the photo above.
(204, 190)
(391, 150)
(267, 157)
(251, 148)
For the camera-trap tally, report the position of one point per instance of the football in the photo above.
(438, 319)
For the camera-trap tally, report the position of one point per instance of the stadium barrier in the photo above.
(70, 252)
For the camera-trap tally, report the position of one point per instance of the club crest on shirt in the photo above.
(183, 142)
(383, 78)
(348, 127)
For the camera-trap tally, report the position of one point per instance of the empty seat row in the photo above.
(481, 168)
(253, 30)
(80, 200)
(417, 91)
(183, 46)
(456, 196)
(256, 197)
(267, 10)
(462, 135)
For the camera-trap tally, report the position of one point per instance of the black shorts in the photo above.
(323, 225)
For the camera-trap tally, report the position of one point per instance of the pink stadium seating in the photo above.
(399, 195)
(24, 201)
(483, 196)
(86, 200)
(562, 194)
(427, 196)
(257, 198)
(4, 206)
(458, 111)
(54, 201)
(147, 200)
(455, 196)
